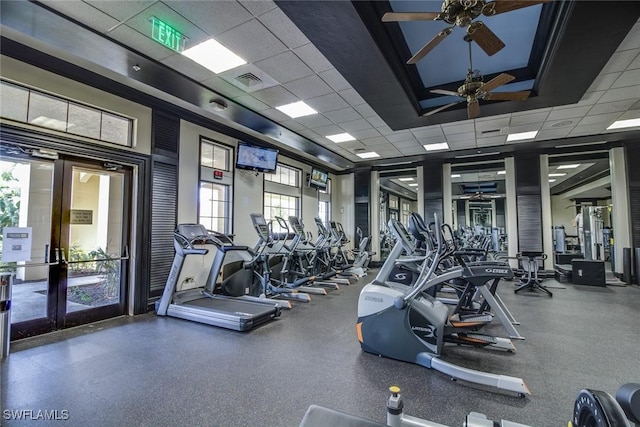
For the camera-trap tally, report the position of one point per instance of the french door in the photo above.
(77, 212)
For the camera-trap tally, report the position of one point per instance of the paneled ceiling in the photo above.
(340, 59)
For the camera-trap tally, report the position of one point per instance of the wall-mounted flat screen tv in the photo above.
(318, 179)
(258, 159)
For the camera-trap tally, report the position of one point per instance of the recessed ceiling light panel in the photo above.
(405, 179)
(569, 166)
(368, 155)
(521, 136)
(620, 124)
(297, 109)
(212, 55)
(557, 174)
(340, 137)
(436, 147)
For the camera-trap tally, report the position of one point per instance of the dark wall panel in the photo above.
(633, 160)
(529, 203)
(462, 215)
(432, 190)
(362, 194)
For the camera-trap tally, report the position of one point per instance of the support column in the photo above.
(420, 191)
(545, 199)
(375, 215)
(447, 214)
(362, 199)
(511, 210)
(432, 190)
(528, 203)
(626, 213)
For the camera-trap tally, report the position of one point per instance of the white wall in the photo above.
(343, 204)
(248, 187)
(36, 78)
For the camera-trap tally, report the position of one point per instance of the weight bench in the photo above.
(530, 266)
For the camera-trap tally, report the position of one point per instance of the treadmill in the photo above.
(198, 254)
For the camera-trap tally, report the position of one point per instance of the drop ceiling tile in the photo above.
(343, 115)
(406, 144)
(365, 133)
(568, 113)
(283, 28)
(603, 82)
(120, 10)
(462, 144)
(275, 96)
(328, 102)
(213, 17)
(490, 125)
(546, 134)
(590, 98)
(293, 125)
(631, 114)
(412, 151)
(354, 125)
(351, 96)
(621, 94)
(458, 127)
(561, 124)
(252, 103)
(142, 43)
(257, 8)
(434, 131)
(628, 78)
(252, 42)
(528, 118)
(587, 130)
(308, 87)
(612, 107)
(274, 114)
(335, 79)
(352, 145)
(224, 88)
(632, 40)
(86, 13)
(457, 137)
(635, 63)
(376, 121)
(328, 130)
(365, 110)
(313, 58)
(380, 140)
(619, 61)
(491, 141)
(285, 67)
(603, 119)
(314, 121)
(389, 151)
(525, 128)
(403, 135)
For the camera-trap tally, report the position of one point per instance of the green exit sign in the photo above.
(166, 35)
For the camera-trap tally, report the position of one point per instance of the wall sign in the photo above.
(81, 216)
(16, 244)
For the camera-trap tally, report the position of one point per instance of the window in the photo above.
(50, 111)
(324, 204)
(279, 205)
(284, 175)
(405, 213)
(214, 197)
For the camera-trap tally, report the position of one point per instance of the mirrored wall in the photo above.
(398, 198)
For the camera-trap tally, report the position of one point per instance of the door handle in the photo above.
(120, 258)
(46, 262)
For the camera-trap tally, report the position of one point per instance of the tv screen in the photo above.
(318, 179)
(259, 159)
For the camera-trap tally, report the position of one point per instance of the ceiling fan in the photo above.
(462, 13)
(474, 89)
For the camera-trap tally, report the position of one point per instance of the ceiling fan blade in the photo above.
(409, 16)
(473, 109)
(430, 45)
(507, 96)
(497, 81)
(486, 39)
(501, 6)
(444, 107)
(444, 92)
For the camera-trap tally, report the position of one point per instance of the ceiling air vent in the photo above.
(489, 132)
(248, 79)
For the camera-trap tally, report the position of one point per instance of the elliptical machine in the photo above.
(409, 325)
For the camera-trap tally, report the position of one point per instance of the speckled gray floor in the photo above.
(149, 371)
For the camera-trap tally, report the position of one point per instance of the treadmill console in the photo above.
(192, 231)
(401, 233)
(260, 224)
(295, 224)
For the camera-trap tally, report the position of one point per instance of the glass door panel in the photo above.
(94, 235)
(26, 190)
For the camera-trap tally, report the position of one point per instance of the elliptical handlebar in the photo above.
(401, 302)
